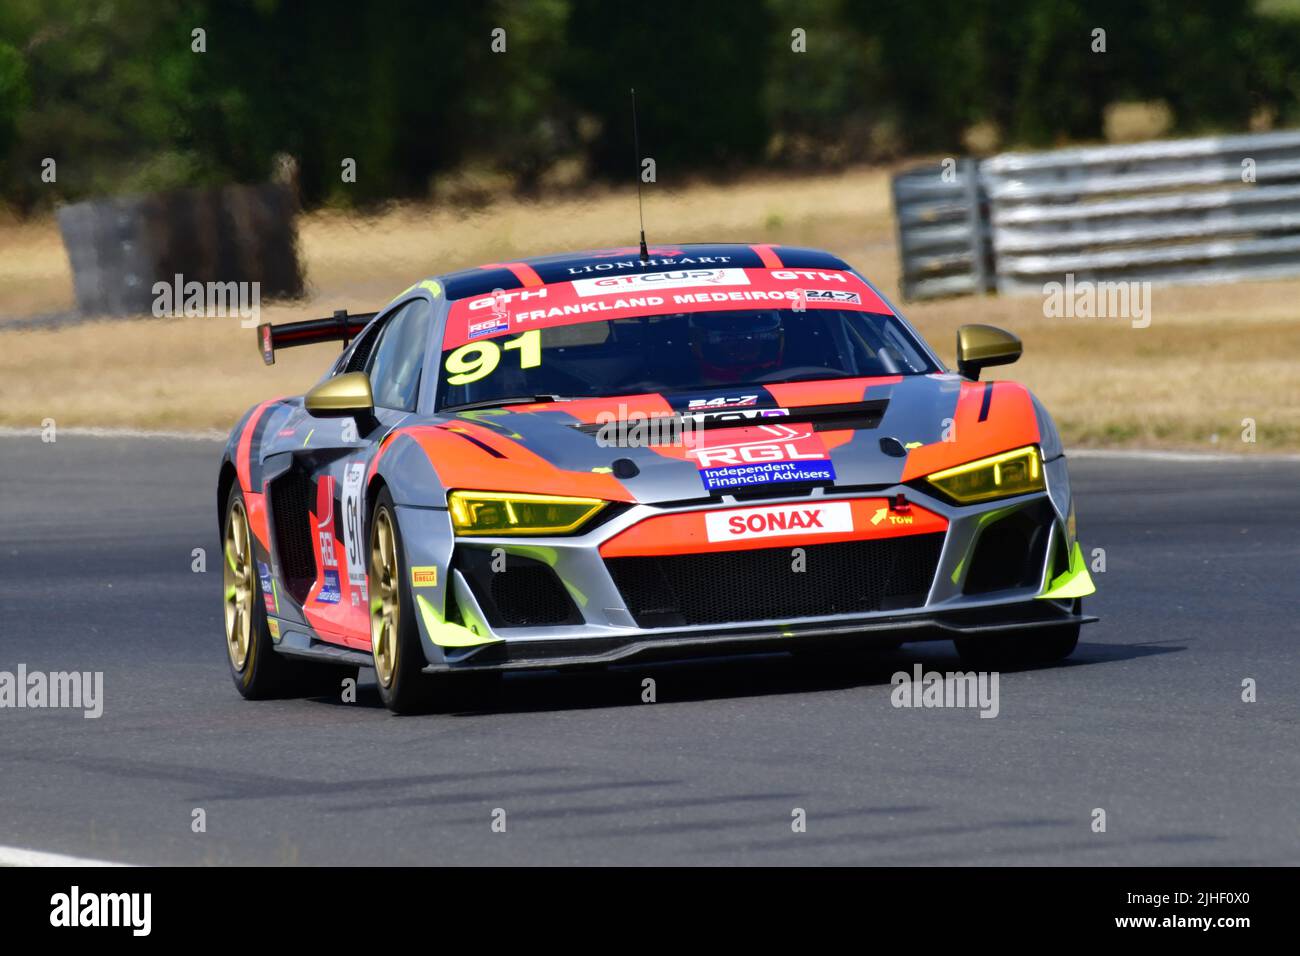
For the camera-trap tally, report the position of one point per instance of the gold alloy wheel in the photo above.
(238, 576)
(385, 596)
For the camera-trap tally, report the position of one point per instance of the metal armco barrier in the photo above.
(1218, 209)
(942, 232)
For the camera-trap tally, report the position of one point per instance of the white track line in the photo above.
(208, 434)
(15, 856)
(1154, 455)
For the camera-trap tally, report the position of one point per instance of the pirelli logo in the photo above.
(426, 577)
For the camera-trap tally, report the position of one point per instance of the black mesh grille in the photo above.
(529, 593)
(292, 494)
(1010, 552)
(525, 593)
(722, 587)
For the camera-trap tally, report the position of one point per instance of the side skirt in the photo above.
(297, 644)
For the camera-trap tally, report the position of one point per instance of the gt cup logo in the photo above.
(651, 281)
(742, 523)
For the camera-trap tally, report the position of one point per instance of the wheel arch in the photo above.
(227, 477)
(377, 484)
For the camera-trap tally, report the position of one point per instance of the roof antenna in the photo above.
(636, 146)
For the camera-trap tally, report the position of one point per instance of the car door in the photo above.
(337, 455)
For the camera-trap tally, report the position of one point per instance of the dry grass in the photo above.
(1187, 381)
(1211, 357)
(35, 275)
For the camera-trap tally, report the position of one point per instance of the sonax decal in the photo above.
(741, 523)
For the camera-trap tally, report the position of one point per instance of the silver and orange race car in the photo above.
(606, 457)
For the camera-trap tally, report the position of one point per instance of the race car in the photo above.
(609, 457)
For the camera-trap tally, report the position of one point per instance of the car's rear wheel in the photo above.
(394, 631)
(257, 670)
(1027, 648)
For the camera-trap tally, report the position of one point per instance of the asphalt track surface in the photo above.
(1146, 721)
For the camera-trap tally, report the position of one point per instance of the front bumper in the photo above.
(602, 629)
(846, 633)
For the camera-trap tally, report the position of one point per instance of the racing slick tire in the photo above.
(394, 632)
(1028, 648)
(395, 635)
(259, 672)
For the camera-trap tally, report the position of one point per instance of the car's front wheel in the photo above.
(394, 632)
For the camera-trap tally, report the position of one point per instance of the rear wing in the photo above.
(341, 327)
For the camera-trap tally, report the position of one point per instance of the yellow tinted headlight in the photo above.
(505, 513)
(999, 476)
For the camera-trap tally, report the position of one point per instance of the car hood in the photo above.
(856, 433)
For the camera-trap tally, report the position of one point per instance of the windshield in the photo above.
(679, 351)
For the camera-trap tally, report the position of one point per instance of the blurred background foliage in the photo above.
(415, 94)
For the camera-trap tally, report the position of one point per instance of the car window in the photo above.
(682, 351)
(395, 364)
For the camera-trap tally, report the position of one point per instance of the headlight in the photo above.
(506, 513)
(1011, 473)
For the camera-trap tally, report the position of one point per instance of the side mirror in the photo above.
(979, 346)
(343, 396)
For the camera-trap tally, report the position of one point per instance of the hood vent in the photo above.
(853, 416)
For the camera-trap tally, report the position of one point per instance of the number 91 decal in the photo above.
(477, 360)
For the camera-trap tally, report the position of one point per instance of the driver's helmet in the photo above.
(737, 346)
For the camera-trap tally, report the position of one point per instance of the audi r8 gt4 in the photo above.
(621, 455)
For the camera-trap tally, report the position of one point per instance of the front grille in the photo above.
(518, 592)
(1010, 552)
(292, 495)
(530, 594)
(721, 587)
